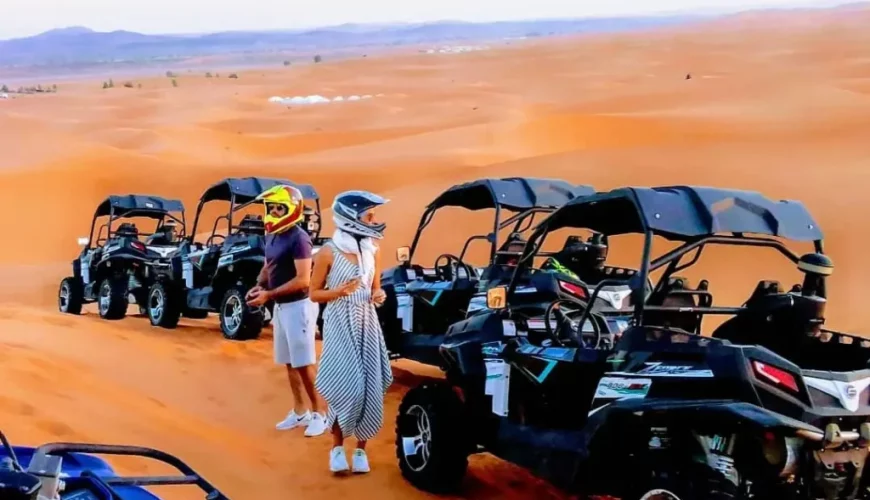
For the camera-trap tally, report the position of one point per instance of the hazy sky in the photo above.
(187, 16)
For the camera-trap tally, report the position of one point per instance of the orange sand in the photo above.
(779, 103)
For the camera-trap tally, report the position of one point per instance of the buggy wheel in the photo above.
(268, 313)
(685, 483)
(239, 321)
(112, 298)
(431, 446)
(69, 296)
(163, 306)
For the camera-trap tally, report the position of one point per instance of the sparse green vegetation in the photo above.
(139, 86)
(286, 63)
(170, 74)
(208, 74)
(317, 58)
(174, 82)
(109, 84)
(128, 85)
(37, 89)
(233, 75)
(4, 89)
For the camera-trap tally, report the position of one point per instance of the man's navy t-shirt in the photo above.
(282, 250)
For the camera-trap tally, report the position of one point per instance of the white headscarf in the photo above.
(347, 243)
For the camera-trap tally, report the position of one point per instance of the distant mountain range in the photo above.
(80, 45)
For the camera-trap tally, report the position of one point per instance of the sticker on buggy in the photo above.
(225, 259)
(659, 369)
(623, 388)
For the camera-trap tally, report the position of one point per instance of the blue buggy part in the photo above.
(88, 477)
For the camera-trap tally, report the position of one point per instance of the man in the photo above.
(284, 279)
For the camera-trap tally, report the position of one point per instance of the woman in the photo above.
(354, 371)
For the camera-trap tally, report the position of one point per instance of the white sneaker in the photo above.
(337, 460)
(316, 426)
(360, 461)
(293, 420)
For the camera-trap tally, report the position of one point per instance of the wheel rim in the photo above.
(416, 448)
(63, 297)
(105, 297)
(232, 313)
(659, 494)
(156, 304)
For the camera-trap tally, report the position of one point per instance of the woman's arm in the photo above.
(316, 290)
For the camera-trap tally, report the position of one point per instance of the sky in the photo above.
(195, 16)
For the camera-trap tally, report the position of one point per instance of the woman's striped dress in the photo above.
(354, 371)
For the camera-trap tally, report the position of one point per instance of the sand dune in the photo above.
(784, 111)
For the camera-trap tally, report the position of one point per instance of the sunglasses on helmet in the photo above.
(276, 207)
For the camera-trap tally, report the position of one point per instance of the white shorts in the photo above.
(294, 324)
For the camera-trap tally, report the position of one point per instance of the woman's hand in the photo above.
(379, 296)
(348, 287)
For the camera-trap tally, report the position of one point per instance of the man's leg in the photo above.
(304, 355)
(299, 416)
(296, 388)
(308, 375)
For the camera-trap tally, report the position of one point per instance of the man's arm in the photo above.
(301, 252)
(263, 277)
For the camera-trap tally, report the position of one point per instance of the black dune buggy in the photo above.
(771, 406)
(422, 302)
(216, 276)
(74, 471)
(119, 262)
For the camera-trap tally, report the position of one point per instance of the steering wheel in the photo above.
(563, 320)
(457, 262)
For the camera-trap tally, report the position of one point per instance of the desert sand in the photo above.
(777, 102)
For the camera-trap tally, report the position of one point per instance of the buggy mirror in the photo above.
(403, 254)
(490, 238)
(82, 241)
(496, 297)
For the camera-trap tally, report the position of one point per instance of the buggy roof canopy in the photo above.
(246, 189)
(686, 212)
(138, 205)
(512, 193)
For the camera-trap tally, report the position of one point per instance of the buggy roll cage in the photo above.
(242, 192)
(188, 477)
(693, 215)
(132, 205)
(525, 196)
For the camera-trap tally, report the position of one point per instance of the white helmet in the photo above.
(347, 211)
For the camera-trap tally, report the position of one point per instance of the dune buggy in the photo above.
(216, 275)
(422, 302)
(71, 471)
(119, 263)
(772, 405)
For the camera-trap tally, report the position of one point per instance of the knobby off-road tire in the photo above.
(164, 306)
(430, 425)
(238, 320)
(70, 296)
(695, 483)
(112, 298)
